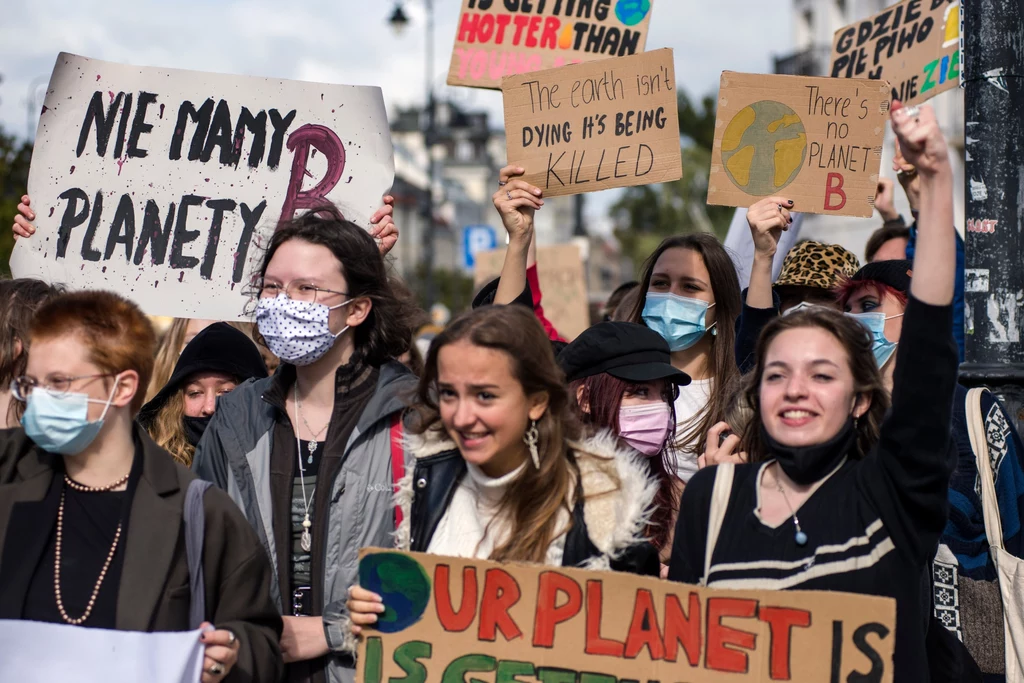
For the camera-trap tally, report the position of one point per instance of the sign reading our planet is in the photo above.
(498, 38)
(816, 141)
(451, 620)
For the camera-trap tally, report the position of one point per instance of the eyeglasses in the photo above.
(297, 291)
(22, 386)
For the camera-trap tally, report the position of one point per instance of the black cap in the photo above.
(895, 273)
(631, 352)
(218, 348)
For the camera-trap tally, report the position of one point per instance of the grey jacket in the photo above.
(235, 454)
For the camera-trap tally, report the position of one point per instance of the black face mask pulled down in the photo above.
(195, 427)
(808, 464)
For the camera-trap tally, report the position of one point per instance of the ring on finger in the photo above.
(215, 670)
(232, 638)
(508, 193)
(913, 112)
(502, 183)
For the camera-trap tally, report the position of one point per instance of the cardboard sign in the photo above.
(162, 185)
(497, 38)
(914, 44)
(563, 284)
(449, 619)
(817, 141)
(589, 127)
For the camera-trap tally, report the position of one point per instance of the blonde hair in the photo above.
(168, 429)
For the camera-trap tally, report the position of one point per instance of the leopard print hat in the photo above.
(813, 264)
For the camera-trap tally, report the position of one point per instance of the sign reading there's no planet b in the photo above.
(165, 185)
(594, 126)
(816, 141)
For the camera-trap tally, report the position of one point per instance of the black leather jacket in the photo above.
(434, 483)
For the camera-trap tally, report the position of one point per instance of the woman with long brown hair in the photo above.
(690, 295)
(839, 494)
(503, 470)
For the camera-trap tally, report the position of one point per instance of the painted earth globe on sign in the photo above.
(763, 147)
(403, 585)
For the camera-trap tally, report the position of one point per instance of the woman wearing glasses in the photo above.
(91, 508)
(307, 453)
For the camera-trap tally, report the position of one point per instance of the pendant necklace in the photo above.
(800, 537)
(306, 540)
(314, 442)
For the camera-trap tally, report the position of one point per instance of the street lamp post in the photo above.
(398, 21)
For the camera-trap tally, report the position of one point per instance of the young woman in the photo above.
(308, 453)
(690, 296)
(91, 509)
(216, 361)
(834, 498)
(502, 469)
(19, 300)
(964, 577)
(621, 380)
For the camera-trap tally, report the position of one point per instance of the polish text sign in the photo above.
(163, 185)
(449, 619)
(816, 141)
(497, 38)
(588, 127)
(914, 44)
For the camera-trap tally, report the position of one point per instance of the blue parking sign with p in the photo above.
(476, 239)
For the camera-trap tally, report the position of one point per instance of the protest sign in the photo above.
(816, 141)
(449, 619)
(588, 127)
(914, 44)
(497, 38)
(562, 283)
(163, 185)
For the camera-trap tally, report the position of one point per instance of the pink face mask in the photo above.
(645, 427)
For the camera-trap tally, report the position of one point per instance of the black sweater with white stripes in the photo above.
(873, 526)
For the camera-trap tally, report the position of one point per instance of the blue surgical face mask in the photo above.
(60, 423)
(880, 346)
(679, 319)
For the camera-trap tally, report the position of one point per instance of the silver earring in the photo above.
(530, 438)
(856, 422)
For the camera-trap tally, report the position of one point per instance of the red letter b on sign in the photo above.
(834, 186)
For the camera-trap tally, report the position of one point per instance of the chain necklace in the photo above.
(313, 443)
(800, 537)
(306, 540)
(56, 561)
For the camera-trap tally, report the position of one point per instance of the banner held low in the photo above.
(595, 126)
(816, 141)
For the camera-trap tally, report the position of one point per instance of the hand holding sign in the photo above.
(921, 140)
(517, 200)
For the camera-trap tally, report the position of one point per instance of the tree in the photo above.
(14, 162)
(646, 214)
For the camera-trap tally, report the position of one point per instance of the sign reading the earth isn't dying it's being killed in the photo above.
(497, 38)
(451, 620)
(816, 141)
(163, 185)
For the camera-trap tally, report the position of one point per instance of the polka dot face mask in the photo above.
(296, 331)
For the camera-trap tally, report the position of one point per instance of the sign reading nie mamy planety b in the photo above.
(498, 38)
(164, 185)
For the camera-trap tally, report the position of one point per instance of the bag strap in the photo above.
(719, 503)
(194, 518)
(397, 461)
(979, 444)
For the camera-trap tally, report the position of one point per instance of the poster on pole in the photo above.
(563, 284)
(165, 185)
(498, 38)
(914, 44)
(595, 126)
(816, 141)
(449, 619)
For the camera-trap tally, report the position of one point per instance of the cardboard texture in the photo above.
(497, 38)
(589, 127)
(451, 619)
(154, 183)
(816, 141)
(914, 44)
(562, 284)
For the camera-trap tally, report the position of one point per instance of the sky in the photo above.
(345, 42)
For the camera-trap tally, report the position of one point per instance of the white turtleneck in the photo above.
(464, 532)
